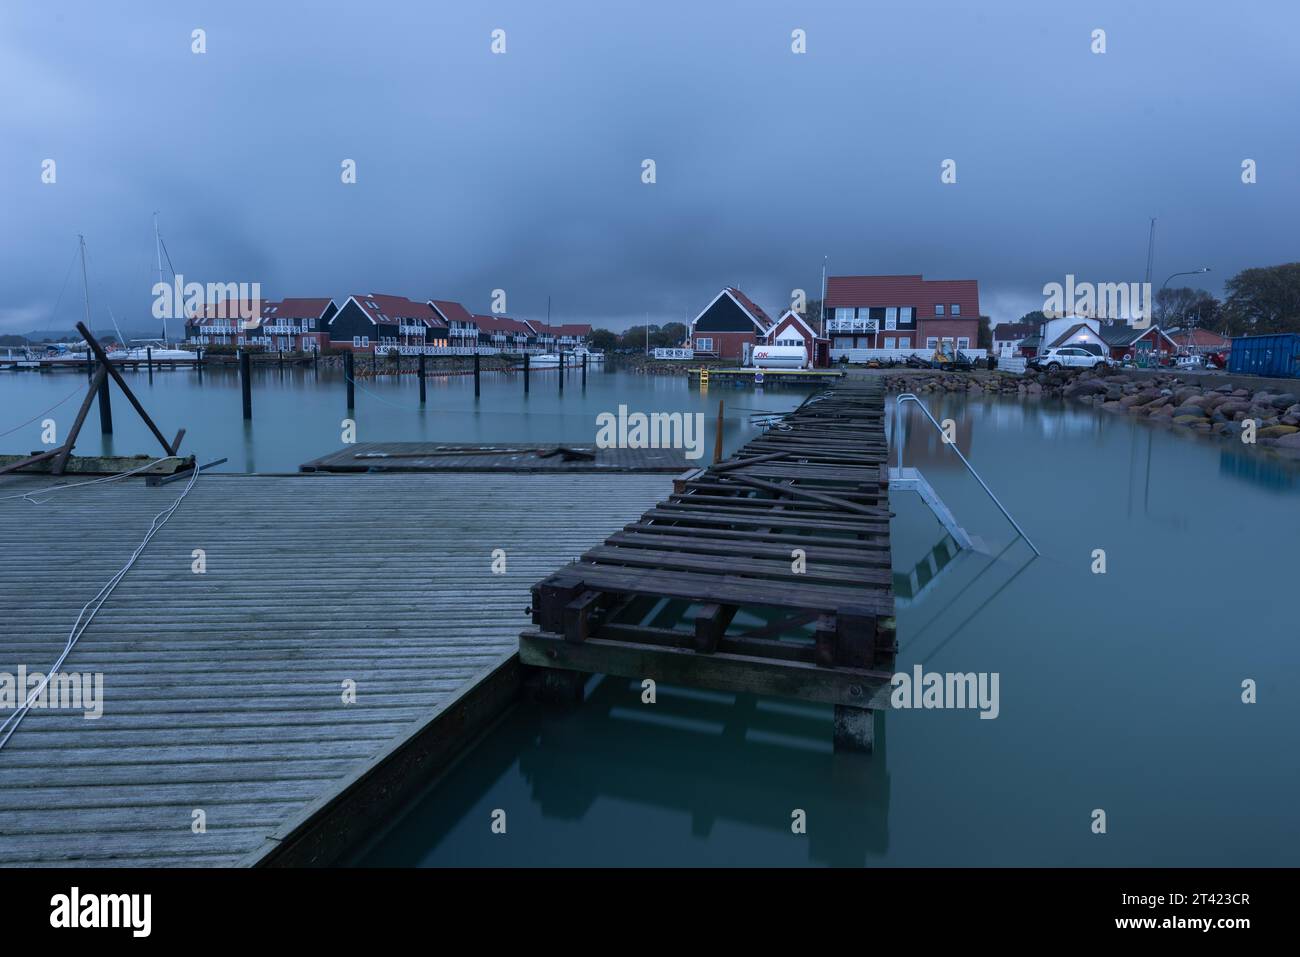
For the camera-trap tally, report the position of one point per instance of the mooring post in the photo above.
(246, 384)
(584, 371)
(198, 360)
(421, 374)
(855, 729)
(525, 373)
(148, 353)
(349, 363)
(561, 372)
(476, 384)
(717, 440)
(281, 358)
(105, 408)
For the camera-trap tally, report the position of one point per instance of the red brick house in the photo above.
(729, 327)
(900, 312)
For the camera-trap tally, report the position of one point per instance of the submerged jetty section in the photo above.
(768, 572)
(497, 457)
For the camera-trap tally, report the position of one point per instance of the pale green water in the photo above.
(298, 412)
(1118, 691)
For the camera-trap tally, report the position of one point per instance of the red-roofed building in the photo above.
(566, 336)
(381, 323)
(1199, 340)
(793, 329)
(462, 330)
(729, 327)
(297, 325)
(504, 333)
(900, 312)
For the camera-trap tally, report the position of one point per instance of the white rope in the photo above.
(10, 724)
(60, 488)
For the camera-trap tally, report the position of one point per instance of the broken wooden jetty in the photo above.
(495, 457)
(768, 572)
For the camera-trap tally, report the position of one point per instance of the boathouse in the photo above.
(729, 327)
(1126, 342)
(793, 329)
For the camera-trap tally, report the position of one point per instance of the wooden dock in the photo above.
(768, 572)
(750, 376)
(223, 691)
(497, 457)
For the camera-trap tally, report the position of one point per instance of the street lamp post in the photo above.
(1189, 272)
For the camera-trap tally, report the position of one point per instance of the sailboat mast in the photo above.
(85, 282)
(157, 245)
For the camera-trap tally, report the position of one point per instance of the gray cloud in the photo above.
(522, 171)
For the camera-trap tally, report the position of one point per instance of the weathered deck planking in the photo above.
(768, 572)
(497, 457)
(223, 690)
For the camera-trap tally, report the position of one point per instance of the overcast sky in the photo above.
(523, 171)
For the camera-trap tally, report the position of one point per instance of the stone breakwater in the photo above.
(1183, 403)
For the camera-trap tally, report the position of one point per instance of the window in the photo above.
(842, 313)
(704, 345)
(956, 309)
(360, 342)
(905, 342)
(891, 317)
(889, 342)
(931, 342)
(938, 309)
(963, 342)
(906, 315)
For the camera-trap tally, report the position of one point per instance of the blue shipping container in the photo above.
(1277, 356)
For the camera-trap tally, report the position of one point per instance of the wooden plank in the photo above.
(710, 622)
(720, 671)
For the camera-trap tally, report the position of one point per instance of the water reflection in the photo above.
(712, 755)
(696, 766)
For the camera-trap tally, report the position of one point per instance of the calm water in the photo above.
(297, 413)
(1118, 691)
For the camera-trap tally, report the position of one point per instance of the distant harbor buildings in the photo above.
(377, 323)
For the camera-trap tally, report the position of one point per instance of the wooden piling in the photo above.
(584, 371)
(476, 376)
(246, 385)
(148, 352)
(717, 439)
(561, 372)
(525, 373)
(421, 373)
(349, 363)
(105, 407)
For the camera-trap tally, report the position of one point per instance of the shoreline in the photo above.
(1168, 399)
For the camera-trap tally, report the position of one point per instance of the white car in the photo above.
(1069, 357)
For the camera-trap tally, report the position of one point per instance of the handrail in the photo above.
(898, 431)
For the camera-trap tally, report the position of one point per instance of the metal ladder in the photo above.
(910, 479)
